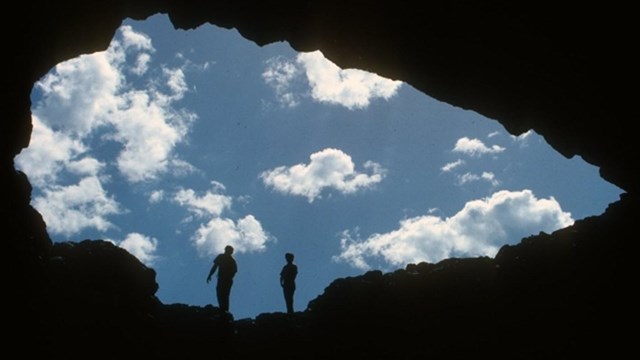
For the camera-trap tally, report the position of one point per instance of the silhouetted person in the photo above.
(288, 281)
(227, 268)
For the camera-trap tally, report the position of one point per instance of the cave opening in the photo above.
(172, 144)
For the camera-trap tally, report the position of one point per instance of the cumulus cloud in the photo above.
(141, 246)
(88, 102)
(245, 235)
(156, 196)
(134, 39)
(142, 64)
(485, 176)
(48, 154)
(141, 44)
(479, 229)
(91, 92)
(452, 165)
(209, 204)
(79, 94)
(351, 88)
(475, 147)
(85, 166)
(148, 135)
(524, 135)
(70, 209)
(467, 178)
(490, 177)
(523, 139)
(327, 169)
(279, 74)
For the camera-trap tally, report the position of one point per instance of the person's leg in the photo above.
(288, 298)
(223, 292)
(222, 304)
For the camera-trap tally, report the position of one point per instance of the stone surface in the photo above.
(564, 71)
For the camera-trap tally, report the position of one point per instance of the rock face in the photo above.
(96, 291)
(562, 71)
(551, 296)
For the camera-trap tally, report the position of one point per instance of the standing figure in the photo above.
(227, 269)
(288, 281)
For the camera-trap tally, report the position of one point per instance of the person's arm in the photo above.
(235, 267)
(213, 270)
(282, 276)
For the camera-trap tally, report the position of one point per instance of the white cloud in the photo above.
(142, 64)
(452, 165)
(351, 88)
(218, 186)
(252, 236)
(91, 92)
(479, 229)
(79, 93)
(86, 166)
(51, 152)
(475, 147)
(149, 136)
(141, 246)
(523, 139)
(327, 169)
(48, 153)
(87, 101)
(156, 196)
(245, 235)
(175, 82)
(135, 40)
(211, 203)
(181, 168)
(70, 209)
(244, 199)
(493, 134)
(485, 176)
(467, 178)
(189, 65)
(279, 74)
(490, 177)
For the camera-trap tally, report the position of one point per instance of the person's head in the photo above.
(228, 249)
(288, 257)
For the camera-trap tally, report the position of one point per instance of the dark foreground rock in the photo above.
(561, 69)
(550, 296)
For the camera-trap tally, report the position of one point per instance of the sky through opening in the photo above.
(173, 144)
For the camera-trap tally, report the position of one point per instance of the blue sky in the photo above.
(173, 144)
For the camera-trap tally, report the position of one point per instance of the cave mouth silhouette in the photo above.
(137, 241)
(551, 68)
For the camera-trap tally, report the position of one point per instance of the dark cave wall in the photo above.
(563, 71)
